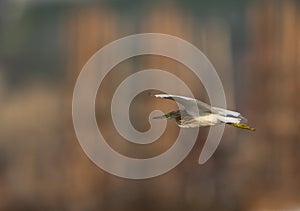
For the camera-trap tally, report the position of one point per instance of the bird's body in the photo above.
(199, 114)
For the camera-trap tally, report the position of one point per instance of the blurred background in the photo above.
(254, 46)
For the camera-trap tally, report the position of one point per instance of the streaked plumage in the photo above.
(205, 116)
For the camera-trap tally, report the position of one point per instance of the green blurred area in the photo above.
(33, 41)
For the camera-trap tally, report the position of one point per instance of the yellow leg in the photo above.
(243, 126)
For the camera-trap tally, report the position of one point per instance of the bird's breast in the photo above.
(207, 120)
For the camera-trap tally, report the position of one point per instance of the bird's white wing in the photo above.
(188, 103)
(228, 113)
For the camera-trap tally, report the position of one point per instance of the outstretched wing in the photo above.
(188, 103)
(228, 113)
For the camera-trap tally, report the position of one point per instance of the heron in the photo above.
(199, 114)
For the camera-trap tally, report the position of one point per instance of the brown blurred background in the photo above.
(254, 46)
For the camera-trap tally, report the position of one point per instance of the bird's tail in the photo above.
(232, 118)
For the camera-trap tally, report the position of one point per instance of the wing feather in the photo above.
(229, 113)
(188, 103)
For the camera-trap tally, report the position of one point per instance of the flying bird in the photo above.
(205, 115)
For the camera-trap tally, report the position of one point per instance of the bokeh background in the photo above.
(254, 46)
